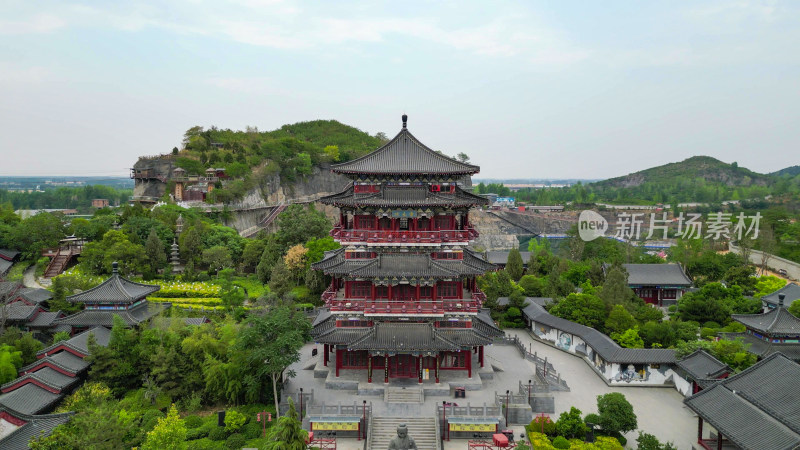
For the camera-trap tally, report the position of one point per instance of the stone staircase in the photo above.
(403, 395)
(422, 429)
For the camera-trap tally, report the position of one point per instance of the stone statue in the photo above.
(402, 441)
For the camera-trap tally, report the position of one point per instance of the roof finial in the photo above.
(405, 121)
(114, 268)
(781, 298)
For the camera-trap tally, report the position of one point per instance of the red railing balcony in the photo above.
(402, 237)
(380, 307)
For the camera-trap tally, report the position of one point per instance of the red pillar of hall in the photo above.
(480, 355)
(469, 364)
(325, 355)
(419, 368)
(386, 368)
(338, 361)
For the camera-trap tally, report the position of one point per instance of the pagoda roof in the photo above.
(403, 265)
(115, 289)
(405, 154)
(791, 291)
(105, 318)
(776, 322)
(757, 408)
(414, 196)
(763, 348)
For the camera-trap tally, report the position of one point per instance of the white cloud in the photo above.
(17, 74)
(40, 23)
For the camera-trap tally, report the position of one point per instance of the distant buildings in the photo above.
(100, 203)
(657, 284)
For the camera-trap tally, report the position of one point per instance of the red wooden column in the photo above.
(369, 368)
(390, 291)
(419, 368)
(325, 355)
(469, 364)
(373, 292)
(338, 361)
(699, 429)
(719, 440)
(480, 355)
(386, 368)
(417, 291)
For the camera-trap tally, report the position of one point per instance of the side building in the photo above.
(403, 300)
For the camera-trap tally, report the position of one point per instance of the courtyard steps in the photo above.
(403, 395)
(422, 429)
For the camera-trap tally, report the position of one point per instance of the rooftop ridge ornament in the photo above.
(405, 121)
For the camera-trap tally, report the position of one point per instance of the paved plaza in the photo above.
(660, 410)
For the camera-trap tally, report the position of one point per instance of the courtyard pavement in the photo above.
(660, 410)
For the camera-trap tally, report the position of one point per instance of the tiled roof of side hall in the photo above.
(5, 266)
(115, 289)
(413, 196)
(776, 322)
(7, 254)
(44, 319)
(34, 295)
(399, 265)
(63, 360)
(405, 154)
(19, 311)
(105, 318)
(80, 342)
(701, 365)
(403, 337)
(9, 287)
(791, 291)
(35, 426)
(757, 408)
(764, 348)
(609, 350)
(46, 376)
(656, 275)
(30, 399)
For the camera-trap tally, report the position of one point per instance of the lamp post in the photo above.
(507, 394)
(529, 391)
(444, 418)
(365, 420)
(301, 405)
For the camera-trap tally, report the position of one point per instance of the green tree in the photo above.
(217, 258)
(169, 433)
(570, 424)
(514, 265)
(154, 252)
(628, 339)
(615, 289)
(270, 343)
(332, 151)
(616, 413)
(619, 320)
(287, 433)
(647, 441)
(36, 233)
(10, 362)
(532, 285)
(794, 308)
(586, 309)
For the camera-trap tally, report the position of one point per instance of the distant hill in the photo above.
(789, 171)
(709, 169)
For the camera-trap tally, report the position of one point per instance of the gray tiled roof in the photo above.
(701, 365)
(35, 426)
(403, 337)
(34, 295)
(404, 196)
(9, 287)
(115, 289)
(483, 323)
(19, 311)
(408, 265)
(791, 290)
(5, 266)
(765, 348)
(656, 275)
(757, 408)
(47, 376)
(339, 335)
(30, 399)
(7, 254)
(776, 322)
(44, 319)
(404, 154)
(80, 342)
(105, 318)
(63, 360)
(609, 350)
(195, 320)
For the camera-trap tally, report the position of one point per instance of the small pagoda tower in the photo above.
(115, 296)
(403, 298)
(776, 330)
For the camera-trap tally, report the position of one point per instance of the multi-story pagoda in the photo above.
(403, 296)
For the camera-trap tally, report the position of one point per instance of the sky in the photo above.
(560, 89)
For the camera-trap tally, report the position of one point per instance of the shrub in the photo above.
(234, 421)
(608, 443)
(570, 423)
(252, 430)
(150, 418)
(591, 418)
(218, 434)
(207, 444)
(193, 421)
(542, 423)
(235, 441)
(196, 433)
(561, 442)
(539, 441)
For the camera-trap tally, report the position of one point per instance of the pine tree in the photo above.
(514, 264)
(154, 250)
(287, 434)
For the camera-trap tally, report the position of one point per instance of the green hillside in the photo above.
(790, 172)
(250, 156)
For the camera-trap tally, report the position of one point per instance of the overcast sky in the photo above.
(558, 89)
